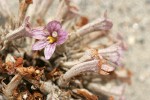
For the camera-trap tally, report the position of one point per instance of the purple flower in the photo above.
(49, 36)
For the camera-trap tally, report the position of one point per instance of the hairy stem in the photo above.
(107, 90)
(24, 4)
(97, 25)
(61, 11)
(8, 89)
(90, 66)
(17, 33)
(85, 56)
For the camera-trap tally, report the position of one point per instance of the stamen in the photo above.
(52, 39)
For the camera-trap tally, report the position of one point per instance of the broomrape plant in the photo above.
(74, 65)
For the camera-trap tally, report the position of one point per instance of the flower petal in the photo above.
(38, 34)
(62, 36)
(49, 50)
(39, 45)
(53, 26)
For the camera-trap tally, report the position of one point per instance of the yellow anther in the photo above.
(52, 39)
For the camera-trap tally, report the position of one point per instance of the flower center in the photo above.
(53, 38)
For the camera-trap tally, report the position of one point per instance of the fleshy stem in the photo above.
(24, 4)
(88, 55)
(100, 24)
(108, 91)
(22, 31)
(47, 88)
(89, 62)
(62, 9)
(94, 36)
(90, 66)
(17, 33)
(8, 89)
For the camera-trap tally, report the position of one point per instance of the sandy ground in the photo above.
(130, 17)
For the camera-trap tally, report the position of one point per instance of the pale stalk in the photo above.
(11, 86)
(90, 66)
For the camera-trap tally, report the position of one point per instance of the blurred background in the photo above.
(131, 18)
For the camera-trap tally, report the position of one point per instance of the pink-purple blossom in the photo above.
(49, 36)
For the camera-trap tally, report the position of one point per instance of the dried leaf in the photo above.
(38, 96)
(31, 72)
(86, 94)
(29, 1)
(82, 21)
(19, 62)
